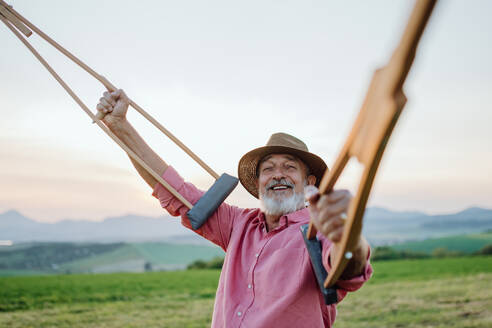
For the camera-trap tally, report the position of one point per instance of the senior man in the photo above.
(267, 279)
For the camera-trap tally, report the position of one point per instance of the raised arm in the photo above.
(115, 106)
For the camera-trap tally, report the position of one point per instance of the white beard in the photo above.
(275, 206)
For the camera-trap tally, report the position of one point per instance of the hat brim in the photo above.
(249, 162)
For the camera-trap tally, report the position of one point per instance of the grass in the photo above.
(452, 302)
(429, 269)
(22, 293)
(461, 243)
(451, 292)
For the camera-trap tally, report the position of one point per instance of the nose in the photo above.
(278, 174)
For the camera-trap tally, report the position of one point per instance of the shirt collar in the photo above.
(294, 217)
(298, 216)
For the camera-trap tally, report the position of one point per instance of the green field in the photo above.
(450, 292)
(132, 257)
(461, 243)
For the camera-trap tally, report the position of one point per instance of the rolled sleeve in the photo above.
(352, 284)
(173, 205)
(217, 228)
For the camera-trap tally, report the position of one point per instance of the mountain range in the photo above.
(129, 228)
(381, 226)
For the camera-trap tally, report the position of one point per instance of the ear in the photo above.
(311, 180)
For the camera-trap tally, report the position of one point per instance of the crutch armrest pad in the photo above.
(314, 250)
(211, 200)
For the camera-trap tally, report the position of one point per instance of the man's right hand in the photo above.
(114, 106)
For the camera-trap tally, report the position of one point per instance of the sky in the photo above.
(223, 76)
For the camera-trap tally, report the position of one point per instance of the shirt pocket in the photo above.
(280, 274)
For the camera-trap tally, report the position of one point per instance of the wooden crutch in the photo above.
(367, 140)
(207, 204)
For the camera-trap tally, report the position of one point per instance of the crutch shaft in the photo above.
(174, 139)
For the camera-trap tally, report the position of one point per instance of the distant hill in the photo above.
(101, 258)
(463, 243)
(130, 228)
(381, 226)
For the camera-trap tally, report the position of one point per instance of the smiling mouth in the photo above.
(280, 188)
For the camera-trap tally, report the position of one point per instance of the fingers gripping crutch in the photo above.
(207, 204)
(367, 141)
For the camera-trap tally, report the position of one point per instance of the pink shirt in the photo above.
(267, 279)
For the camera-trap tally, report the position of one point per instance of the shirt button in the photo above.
(239, 314)
(256, 255)
(249, 286)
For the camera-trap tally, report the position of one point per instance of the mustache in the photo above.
(281, 182)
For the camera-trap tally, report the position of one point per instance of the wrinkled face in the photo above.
(281, 182)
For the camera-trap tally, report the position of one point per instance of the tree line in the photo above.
(380, 253)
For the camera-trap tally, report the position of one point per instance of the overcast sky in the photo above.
(223, 76)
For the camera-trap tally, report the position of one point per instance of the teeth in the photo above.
(280, 187)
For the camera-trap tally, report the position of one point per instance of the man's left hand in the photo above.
(328, 212)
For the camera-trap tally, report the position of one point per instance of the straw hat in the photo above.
(279, 143)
